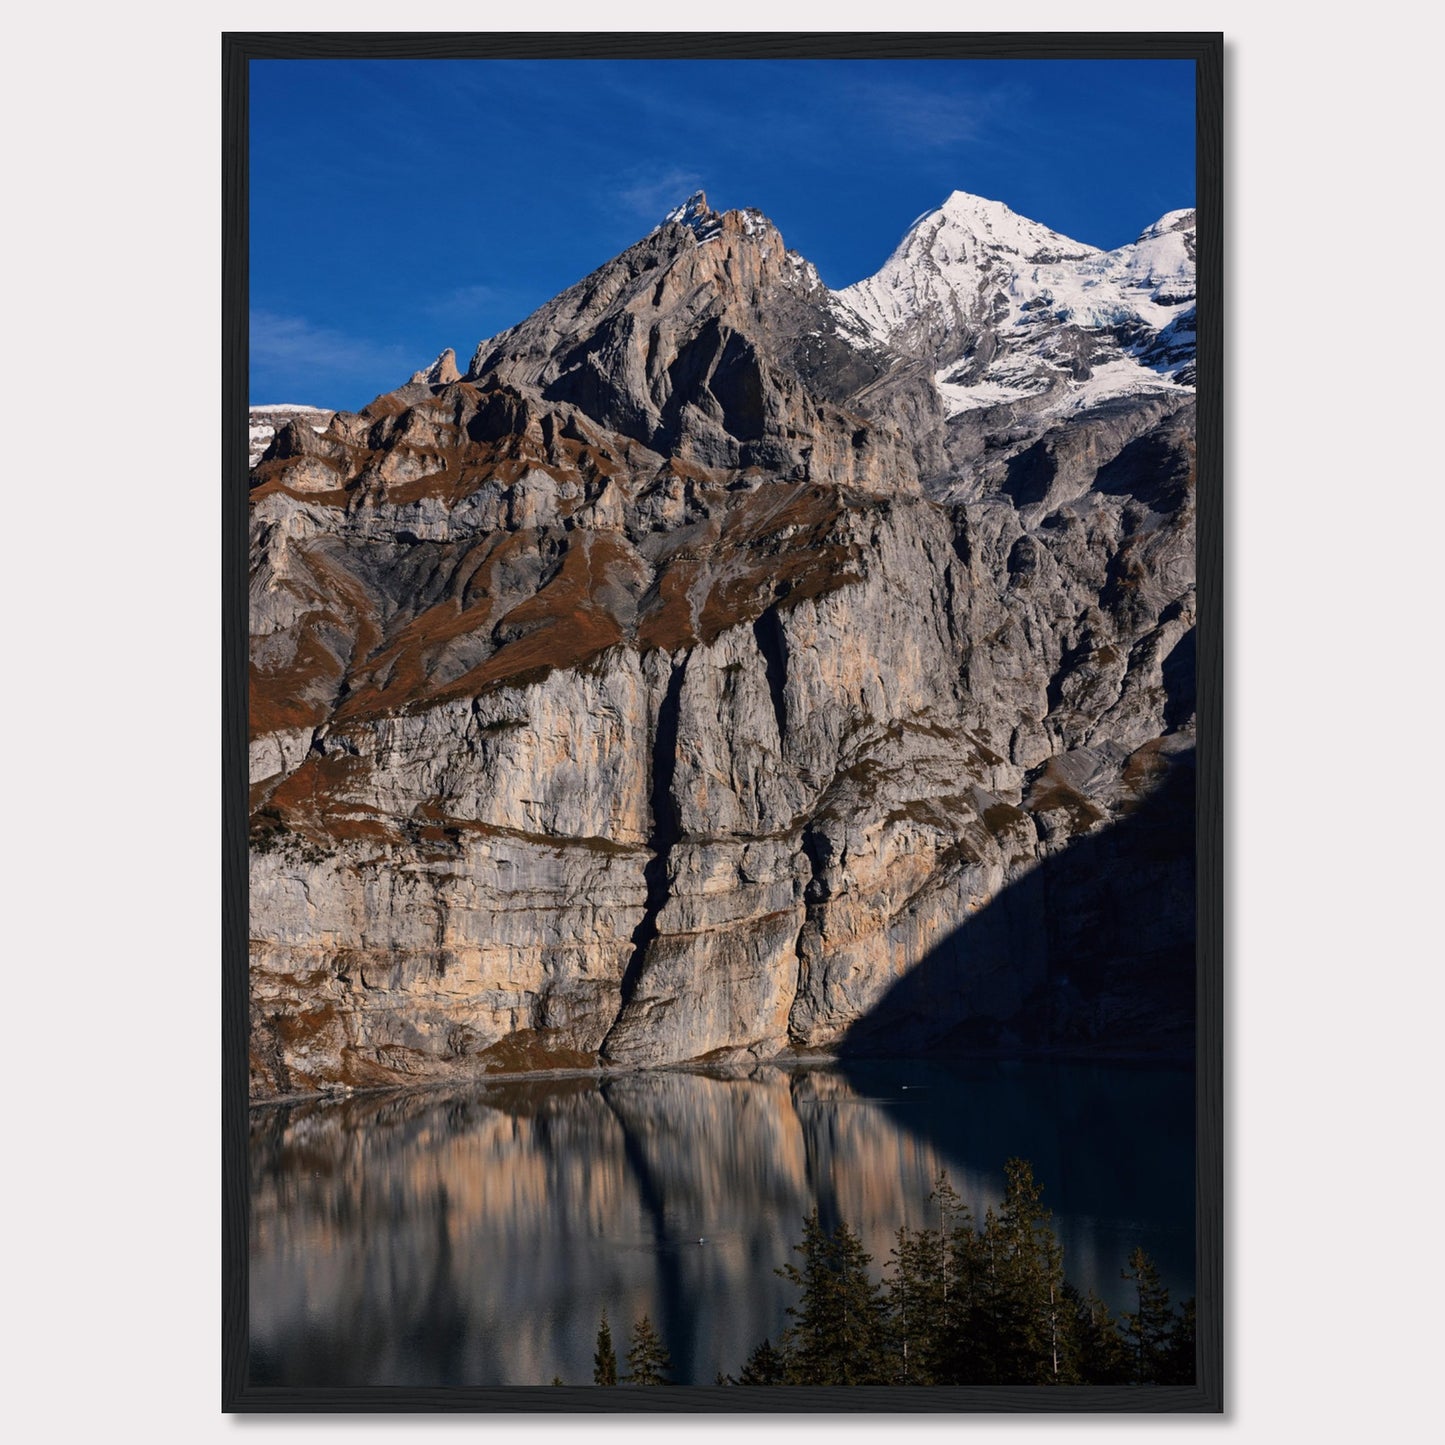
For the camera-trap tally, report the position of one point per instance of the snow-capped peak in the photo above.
(1002, 228)
(953, 263)
(1170, 221)
(694, 206)
(1004, 308)
(696, 215)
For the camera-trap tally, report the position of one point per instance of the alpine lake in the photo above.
(474, 1237)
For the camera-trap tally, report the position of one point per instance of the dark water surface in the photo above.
(473, 1238)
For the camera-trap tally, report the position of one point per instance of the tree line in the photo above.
(960, 1303)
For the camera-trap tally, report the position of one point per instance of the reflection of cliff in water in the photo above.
(474, 1238)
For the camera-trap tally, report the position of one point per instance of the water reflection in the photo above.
(474, 1238)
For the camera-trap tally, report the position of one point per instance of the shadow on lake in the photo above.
(474, 1238)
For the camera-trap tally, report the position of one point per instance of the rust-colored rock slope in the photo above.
(696, 677)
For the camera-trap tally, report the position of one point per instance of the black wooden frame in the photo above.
(1207, 51)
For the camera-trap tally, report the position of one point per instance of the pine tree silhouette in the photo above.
(647, 1360)
(604, 1362)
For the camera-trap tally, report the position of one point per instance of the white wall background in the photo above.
(109, 560)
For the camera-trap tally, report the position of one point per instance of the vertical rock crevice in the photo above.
(818, 850)
(773, 644)
(666, 829)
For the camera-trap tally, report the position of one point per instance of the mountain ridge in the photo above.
(688, 671)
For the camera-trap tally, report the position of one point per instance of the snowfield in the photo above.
(976, 283)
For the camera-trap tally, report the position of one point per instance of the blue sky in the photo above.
(401, 207)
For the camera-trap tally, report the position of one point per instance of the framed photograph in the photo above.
(722, 729)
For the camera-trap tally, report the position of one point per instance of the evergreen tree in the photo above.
(765, 1366)
(968, 1306)
(1040, 1318)
(910, 1285)
(647, 1359)
(928, 1290)
(839, 1332)
(1015, 1324)
(1148, 1329)
(806, 1342)
(604, 1362)
(982, 1340)
(1100, 1354)
(1179, 1352)
(957, 1260)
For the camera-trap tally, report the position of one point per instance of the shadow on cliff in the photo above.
(1093, 950)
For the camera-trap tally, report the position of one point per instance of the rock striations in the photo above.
(724, 666)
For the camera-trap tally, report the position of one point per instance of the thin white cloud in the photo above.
(476, 296)
(934, 119)
(651, 196)
(296, 344)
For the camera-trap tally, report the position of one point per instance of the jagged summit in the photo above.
(707, 340)
(707, 224)
(441, 372)
(705, 337)
(695, 205)
(696, 215)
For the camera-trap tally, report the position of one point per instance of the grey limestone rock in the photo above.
(686, 681)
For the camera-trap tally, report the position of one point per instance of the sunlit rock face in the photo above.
(695, 678)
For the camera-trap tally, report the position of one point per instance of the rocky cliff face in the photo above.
(695, 677)
(266, 421)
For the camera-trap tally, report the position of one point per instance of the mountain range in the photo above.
(721, 666)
